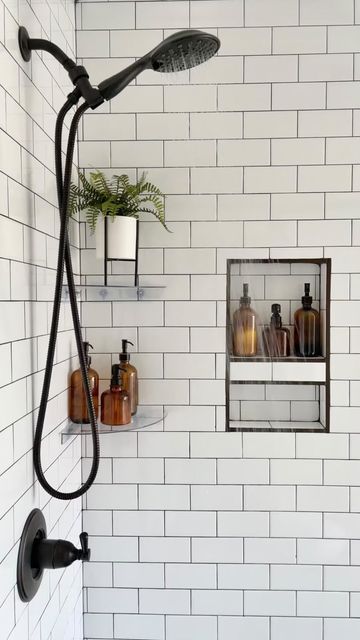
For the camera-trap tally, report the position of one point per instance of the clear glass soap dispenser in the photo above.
(245, 327)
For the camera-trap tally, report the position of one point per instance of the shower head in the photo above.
(180, 51)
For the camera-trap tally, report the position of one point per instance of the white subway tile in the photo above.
(326, 232)
(138, 627)
(343, 39)
(173, 339)
(269, 179)
(232, 628)
(324, 178)
(195, 418)
(299, 39)
(190, 576)
(299, 151)
(164, 497)
(296, 472)
(298, 95)
(190, 261)
(247, 576)
(322, 498)
(258, 12)
(162, 126)
(137, 153)
(156, 15)
(132, 43)
(334, 552)
(323, 12)
(247, 97)
(277, 234)
(138, 471)
(185, 153)
(297, 525)
(208, 13)
(218, 498)
(348, 628)
(272, 69)
(113, 549)
(163, 445)
(112, 497)
(243, 152)
(271, 603)
(139, 575)
(190, 524)
(264, 498)
(138, 523)
(98, 16)
(217, 550)
(184, 627)
(243, 471)
(217, 180)
(98, 624)
(341, 578)
(112, 600)
(342, 472)
(190, 98)
(217, 602)
(296, 628)
(190, 313)
(164, 550)
(296, 577)
(272, 124)
(297, 205)
(207, 392)
(325, 123)
(164, 601)
(322, 604)
(216, 125)
(269, 445)
(327, 67)
(190, 207)
(195, 471)
(218, 70)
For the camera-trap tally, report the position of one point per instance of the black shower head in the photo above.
(180, 51)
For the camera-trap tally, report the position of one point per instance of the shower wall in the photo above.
(197, 533)
(30, 96)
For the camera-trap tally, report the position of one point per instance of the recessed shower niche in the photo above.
(278, 339)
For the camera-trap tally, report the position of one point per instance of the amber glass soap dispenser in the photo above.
(244, 327)
(129, 376)
(307, 327)
(78, 411)
(115, 402)
(276, 338)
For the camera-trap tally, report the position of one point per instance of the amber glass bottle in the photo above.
(307, 328)
(276, 338)
(244, 327)
(78, 411)
(115, 402)
(129, 376)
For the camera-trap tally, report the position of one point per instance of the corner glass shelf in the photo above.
(140, 420)
(95, 292)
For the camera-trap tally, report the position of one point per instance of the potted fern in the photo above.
(120, 201)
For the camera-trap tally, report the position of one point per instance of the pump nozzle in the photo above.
(86, 346)
(245, 298)
(124, 355)
(307, 298)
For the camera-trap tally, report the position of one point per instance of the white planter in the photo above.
(121, 237)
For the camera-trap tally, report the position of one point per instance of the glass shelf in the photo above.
(115, 292)
(139, 421)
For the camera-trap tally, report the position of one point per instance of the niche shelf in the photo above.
(278, 393)
(140, 420)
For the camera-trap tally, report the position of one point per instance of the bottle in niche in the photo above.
(129, 376)
(78, 411)
(115, 402)
(244, 327)
(307, 327)
(276, 338)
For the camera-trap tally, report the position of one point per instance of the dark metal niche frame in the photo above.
(326, 358)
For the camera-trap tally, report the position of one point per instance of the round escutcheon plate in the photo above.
(28, 577)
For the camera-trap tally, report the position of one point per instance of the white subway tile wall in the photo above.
(197, 533)
(30, 97)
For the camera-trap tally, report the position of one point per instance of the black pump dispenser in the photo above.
(86, 346)
(307, 298)
(115, 375)
(276, 320)
(245, 298)
(124, 355)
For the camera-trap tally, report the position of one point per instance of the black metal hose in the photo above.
(64, 257)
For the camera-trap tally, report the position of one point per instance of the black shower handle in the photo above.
(57, 554)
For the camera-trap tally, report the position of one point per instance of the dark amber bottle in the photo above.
(115, 402)
(78, 411)
(276, 338)
(244, 327)
(307, 328)
(129, 376)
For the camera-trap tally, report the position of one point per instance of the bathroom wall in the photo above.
(30, 96)
(197, 533)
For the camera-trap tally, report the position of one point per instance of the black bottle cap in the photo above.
(307, 298)
(245, 298)
(115, 375)
(86, 346)
(124, 355)
(276, 317)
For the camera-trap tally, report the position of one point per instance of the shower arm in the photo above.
(77, 73)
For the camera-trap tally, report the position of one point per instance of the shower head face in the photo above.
(183, 50)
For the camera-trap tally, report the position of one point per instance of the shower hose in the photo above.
(64, 258)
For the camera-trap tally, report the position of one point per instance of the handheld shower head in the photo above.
(180, 51)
